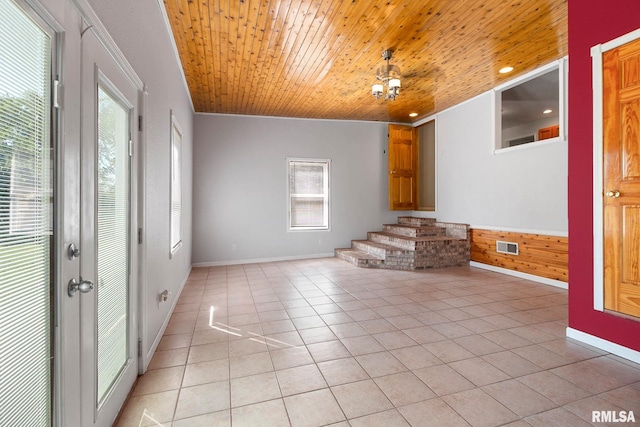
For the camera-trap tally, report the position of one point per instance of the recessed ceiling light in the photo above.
(547, 111)
(505, 70)
(413, 114)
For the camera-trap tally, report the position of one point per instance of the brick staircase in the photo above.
(411, 244)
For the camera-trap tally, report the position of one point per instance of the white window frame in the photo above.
(561, 66)
(326, 195)
(175, 181)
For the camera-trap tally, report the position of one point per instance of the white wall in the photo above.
(240, 185)
(139, 30)
(522, 188)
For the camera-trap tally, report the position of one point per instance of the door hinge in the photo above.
(139, 123)
(139, 236)
(130, 148)
(57, 94)
(139, 347)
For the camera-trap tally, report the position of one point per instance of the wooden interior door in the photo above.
(403, 167)
(621, 119)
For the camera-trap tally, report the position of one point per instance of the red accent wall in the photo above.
(591, 22)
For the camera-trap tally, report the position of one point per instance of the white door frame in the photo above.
(98, 59)
(139, 173)
(598, 157)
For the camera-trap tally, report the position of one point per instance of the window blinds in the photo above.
(176, 186)
(26, 234)
(308, 194)
(113, 240)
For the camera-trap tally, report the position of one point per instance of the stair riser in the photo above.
(400, 263)
(415, 221)
(443, 254)
(414, 232)
(380, 252)
(433, 255)
(363, 246)
(460, 231)
(389, 240)
(359, 262)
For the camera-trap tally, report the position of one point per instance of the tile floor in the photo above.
(321, 342)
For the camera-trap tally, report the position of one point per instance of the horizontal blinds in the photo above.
(113, 248)
(25, 220)
(308, 194)
(176, 187)
(307, 212)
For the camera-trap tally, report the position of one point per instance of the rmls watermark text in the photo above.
(612, 417)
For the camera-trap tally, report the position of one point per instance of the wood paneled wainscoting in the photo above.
(540, 255)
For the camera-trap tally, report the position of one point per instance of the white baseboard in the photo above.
(605, 345)
(527, 276)
(259, 260)
(156, 341)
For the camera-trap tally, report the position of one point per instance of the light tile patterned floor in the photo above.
(320, 342)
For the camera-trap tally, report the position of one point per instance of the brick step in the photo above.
(446, 252)
(412, 220)
(414, 230)
(405, 242)
(378, 249)
(359, 258)
(412, 244)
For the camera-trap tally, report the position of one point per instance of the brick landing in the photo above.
(411, 244)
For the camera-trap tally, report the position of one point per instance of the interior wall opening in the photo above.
(427, 166)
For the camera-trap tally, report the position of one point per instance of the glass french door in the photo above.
(107, 285)
(26, 219)
(68, 334)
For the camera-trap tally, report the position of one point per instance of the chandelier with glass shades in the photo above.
(389, 75)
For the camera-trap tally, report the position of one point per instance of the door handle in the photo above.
(394, 171)
(83, 286)
(614, 194)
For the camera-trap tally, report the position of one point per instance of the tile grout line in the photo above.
(332, 283)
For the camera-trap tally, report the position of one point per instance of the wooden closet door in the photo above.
(402, 167)
(621, 109)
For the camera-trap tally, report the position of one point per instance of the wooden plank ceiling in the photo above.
(317, 58)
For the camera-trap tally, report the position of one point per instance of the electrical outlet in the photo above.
(320, 242)
(234, 247)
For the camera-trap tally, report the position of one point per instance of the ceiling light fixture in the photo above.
(505, 70)
(547, 111)
(413, 114)
(389, 75)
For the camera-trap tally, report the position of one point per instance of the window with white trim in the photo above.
(531, 108)
(308, 194)
(176, 185)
